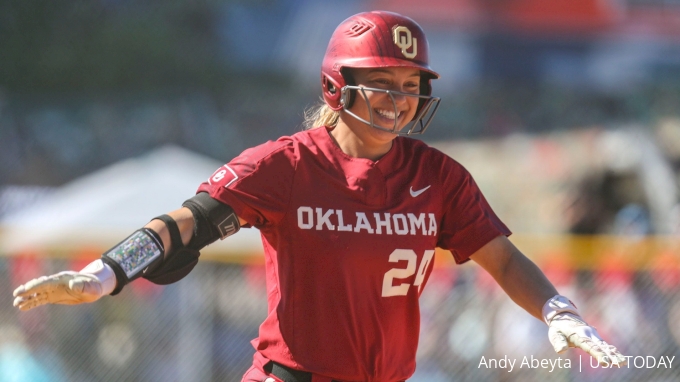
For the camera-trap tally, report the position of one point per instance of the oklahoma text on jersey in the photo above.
(377, 223)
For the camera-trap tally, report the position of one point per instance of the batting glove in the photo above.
(90, 284)
(567, 329)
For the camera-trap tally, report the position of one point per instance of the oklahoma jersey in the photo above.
(349, 244)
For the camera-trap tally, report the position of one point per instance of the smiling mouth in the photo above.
(388, 114)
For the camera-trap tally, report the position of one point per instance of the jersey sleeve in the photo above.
(257, 183)
(468, 222)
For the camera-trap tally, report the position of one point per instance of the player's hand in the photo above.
(568, 330)
(68, 287)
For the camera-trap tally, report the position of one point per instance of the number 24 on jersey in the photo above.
(389, 288)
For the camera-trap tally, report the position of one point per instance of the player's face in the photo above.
(386, 110)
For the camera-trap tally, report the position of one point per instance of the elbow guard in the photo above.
(180, 259)
(142, 255)
(212, 220)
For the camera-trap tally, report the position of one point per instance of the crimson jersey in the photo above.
(349, 244)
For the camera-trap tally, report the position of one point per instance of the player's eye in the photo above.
(412, 87)
(381, 81)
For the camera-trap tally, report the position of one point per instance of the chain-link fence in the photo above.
(200, 328)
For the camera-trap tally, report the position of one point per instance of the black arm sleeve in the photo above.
(212, 220)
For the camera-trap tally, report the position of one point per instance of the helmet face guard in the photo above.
(378, 39)
(428, 106)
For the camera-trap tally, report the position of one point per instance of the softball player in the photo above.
(350, 211)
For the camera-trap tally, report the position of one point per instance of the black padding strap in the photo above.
(212, 220)
(175, 236)
(179, 261)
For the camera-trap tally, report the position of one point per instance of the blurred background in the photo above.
(566, 112)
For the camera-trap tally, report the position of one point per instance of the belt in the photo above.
(287, 374)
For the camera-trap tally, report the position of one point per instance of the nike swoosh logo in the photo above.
(416, 193)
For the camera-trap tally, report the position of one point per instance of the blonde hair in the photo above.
(320, 115)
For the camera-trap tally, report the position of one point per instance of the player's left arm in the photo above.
(527, 286)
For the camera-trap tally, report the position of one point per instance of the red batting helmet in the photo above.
(373, 40)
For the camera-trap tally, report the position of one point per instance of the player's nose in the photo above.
(398, 96)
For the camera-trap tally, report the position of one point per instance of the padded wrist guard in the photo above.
(212, 220)
(134, 256)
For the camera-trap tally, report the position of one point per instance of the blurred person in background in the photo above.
(350, 212)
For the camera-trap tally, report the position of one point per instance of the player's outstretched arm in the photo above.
(526, 284)
(163, 252)
(98, 278)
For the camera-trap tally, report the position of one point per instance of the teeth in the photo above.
(387, 113)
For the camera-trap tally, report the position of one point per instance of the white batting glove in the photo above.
(567, 329)
(90, 284)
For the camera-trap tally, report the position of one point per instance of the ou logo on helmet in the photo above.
(404, 40)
